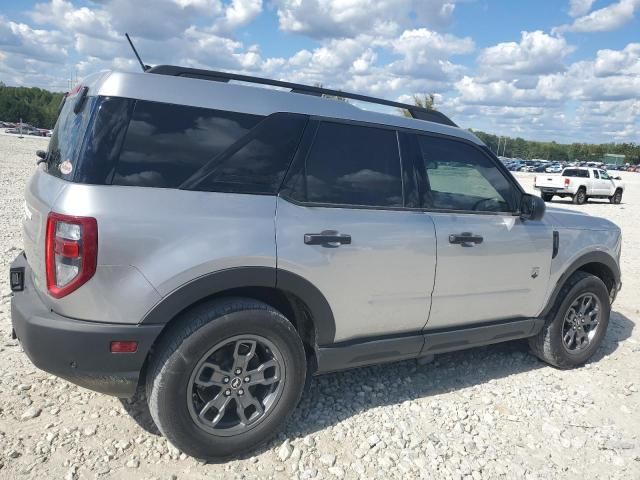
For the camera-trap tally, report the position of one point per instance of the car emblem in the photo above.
(236, 382)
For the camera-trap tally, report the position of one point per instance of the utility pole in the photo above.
(498, 149)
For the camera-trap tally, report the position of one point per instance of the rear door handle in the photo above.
(327, 238)
(466, 239)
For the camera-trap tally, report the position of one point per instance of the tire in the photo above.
(549, 344)
(547, 197)
(183, 357)
(616, 198)
(580, 196)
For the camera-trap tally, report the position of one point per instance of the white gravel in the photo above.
(493, 412)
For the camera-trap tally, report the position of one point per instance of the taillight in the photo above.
(567, 181)
(71, 252)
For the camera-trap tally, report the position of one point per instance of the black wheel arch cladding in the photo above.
(232, 279)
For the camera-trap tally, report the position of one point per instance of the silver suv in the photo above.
(215, 244)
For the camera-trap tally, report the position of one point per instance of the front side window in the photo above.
(460, 177)
(350, 165)
(604, 175)
(165, 143)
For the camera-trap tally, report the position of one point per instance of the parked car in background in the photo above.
(555, 168)
(580, 183)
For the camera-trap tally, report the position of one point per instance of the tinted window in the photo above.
(595, 174)
(258, 163)
(67, 138)
(575, 172)
(461, 177)
(103, 140)
(165, 144)
(351, 165)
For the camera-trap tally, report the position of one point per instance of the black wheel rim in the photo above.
(235, 385)
(581, 323)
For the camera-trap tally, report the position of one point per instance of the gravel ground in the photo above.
(492, 412)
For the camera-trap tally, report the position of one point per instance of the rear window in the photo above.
(67, 137)
(575, 172)
(166, 144)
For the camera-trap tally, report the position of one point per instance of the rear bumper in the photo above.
(77, 350)
(554, 190)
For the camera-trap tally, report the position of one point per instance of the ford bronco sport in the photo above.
(216, 244)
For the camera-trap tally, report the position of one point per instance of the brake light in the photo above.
(71, 252)
(567, 181)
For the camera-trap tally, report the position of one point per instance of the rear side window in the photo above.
(255, 164)
(575, 172)
(350, 165)
(165, 144)
(460, 177)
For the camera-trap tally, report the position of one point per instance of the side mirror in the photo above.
(42, 156)
(532, 207)
(617, 178)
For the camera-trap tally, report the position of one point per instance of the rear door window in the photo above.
(165, 144)
(351, 165)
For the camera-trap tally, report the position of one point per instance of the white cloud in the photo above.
(536, 53)
(577, 8)
(604, 19)
(340, 18)
(240, 12)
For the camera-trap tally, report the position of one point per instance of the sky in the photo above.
(563, 70)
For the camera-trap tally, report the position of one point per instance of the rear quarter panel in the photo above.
(153, 240)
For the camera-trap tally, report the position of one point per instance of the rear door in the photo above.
(345, 224)
(492, 265)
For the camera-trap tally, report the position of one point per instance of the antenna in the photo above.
(144, 67)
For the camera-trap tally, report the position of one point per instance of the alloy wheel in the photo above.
(235, 385)
(581, 322)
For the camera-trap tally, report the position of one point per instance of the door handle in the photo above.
(466, 239)
(327, 238)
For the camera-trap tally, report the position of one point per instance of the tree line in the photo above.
(527, 149)
(35, 106)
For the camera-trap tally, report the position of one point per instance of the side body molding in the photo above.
(247, 277)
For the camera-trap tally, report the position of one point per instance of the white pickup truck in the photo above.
(580, 183)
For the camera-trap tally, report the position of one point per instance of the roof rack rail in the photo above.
(419, 113)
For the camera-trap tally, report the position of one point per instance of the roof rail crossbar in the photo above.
(416, 112)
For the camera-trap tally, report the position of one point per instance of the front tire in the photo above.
(225, 378)
(577, 324)
(616, 198)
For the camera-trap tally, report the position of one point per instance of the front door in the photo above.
(491, 264)
(341, 224)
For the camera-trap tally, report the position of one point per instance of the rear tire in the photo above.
(616, 198)
(568, 339)
(196, 396)
(547, 197)
(580, 196)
